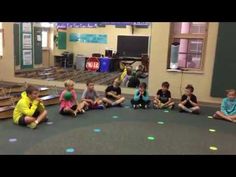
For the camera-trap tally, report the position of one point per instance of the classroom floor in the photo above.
(121, 131)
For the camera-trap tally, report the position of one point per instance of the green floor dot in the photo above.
(213, 148)
(70, 150)
(97, 130)
(161, 123)
(210, 117)
(151, 138)
(212, 130)
(115, 117)
(166, 111)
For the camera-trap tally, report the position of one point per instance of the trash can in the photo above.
(80, 62)
(105, 64)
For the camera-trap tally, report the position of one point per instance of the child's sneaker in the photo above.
(145, 106)
(100, 107)
(46, 120)
(32, 125)
(155, 106)
(135, 106)
(196, 112)
(82, 111)
(120, 105)
(107, 105)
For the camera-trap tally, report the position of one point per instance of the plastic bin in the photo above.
(105, 64)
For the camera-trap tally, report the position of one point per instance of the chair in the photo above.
(96, 55)
(145, 62)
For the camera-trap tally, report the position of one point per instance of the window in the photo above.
(45, 33)
(1, 40)
(45, 39)
(191, 37)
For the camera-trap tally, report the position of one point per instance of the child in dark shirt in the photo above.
(113, 94)
(189, 101)
(163, 98)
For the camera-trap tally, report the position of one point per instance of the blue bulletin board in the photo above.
(88, 38)
(74, 37)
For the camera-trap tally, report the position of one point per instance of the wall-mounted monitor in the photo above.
(132, 46)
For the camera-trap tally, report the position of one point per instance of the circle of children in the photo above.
(30, 110)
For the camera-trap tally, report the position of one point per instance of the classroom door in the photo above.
(46, 58)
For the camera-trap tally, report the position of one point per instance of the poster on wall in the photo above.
(74, 37)
(27, 41)
(88, 38)
(93, 38)
(26, 27)
(27, 57)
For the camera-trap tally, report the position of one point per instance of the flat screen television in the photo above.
(132, 46)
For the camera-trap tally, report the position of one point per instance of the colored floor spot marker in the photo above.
(97, 130)
(127, 106)
(213, 148)
(166, 111)
(210, 117)
(212, 130)
(114, 117)
(49, 123)
(151, 138)
(12, 140)
(161, 123)
(70, 150)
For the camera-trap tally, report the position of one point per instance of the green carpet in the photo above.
(181, 133)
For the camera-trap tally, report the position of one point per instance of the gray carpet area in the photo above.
(126, 133)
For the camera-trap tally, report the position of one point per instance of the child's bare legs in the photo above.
(86, 105)
(80, 106)
(221, 115)
(156, 103)
(98, 101)
(233, 118)
(169, 105)
(107, 101)
(29, 119)
(70, 111)
(41, 117)
(195, 109)
(182, 107)
(119, 101)
(32, 122)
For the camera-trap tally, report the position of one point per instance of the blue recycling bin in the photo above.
(104, 64)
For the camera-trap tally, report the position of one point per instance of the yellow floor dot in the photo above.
(212, 130)
(213, 148)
